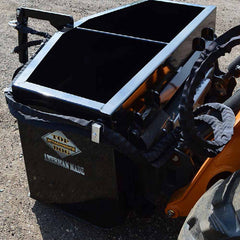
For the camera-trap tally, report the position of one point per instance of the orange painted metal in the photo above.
(227, 161)
(157, 75)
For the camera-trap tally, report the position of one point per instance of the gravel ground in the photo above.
(24, 218)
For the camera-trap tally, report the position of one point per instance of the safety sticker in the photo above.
(63, 146)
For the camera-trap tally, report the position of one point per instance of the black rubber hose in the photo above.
(234, 102)
(153, 156)
(206, 60)
(119, 142)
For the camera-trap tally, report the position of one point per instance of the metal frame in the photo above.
(57, 20)
(128, 89)
(83, 20)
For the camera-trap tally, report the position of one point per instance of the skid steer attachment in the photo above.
(115, 115)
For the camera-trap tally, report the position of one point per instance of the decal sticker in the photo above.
(63, 146)
(64, 164)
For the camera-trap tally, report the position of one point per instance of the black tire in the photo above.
(216, 215)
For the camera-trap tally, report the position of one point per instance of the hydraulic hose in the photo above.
(208, 57)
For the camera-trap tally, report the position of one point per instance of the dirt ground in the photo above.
(24, 218)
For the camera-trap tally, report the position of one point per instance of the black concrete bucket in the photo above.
(94, 81)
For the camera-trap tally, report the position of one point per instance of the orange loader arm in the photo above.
(225, 162)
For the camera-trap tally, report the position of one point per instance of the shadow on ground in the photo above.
(55, 224)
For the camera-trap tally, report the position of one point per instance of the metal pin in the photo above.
(170, 213)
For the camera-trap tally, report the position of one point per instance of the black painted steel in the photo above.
(148, 20)
(88, 72)
(175, 53)
(57, 20)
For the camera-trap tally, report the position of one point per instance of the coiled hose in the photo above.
(208, 57)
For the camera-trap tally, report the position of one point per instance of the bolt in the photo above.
(170, 213)
(18, 12)
(237, 71)
(135, 132)
(175, 158)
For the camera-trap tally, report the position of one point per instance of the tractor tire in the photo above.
(216, 215)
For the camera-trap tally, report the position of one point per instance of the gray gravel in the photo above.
(24, 218)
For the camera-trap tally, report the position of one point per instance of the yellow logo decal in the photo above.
(60, 144)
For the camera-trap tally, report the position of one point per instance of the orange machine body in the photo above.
(227, 161)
